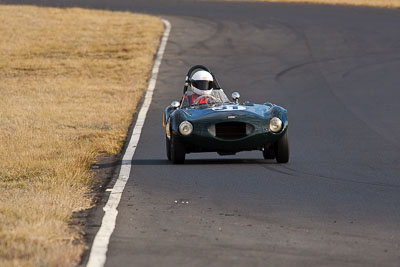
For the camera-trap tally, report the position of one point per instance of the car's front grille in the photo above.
(232, 130)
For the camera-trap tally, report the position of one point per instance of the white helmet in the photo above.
(202, 83)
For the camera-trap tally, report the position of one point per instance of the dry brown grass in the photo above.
(70, 80)
(373, 3)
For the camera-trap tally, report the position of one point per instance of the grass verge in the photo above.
(70, 80)
(372, 3)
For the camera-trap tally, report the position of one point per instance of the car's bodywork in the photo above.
(226, 128)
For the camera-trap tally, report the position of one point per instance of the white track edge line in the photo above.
(99, 248)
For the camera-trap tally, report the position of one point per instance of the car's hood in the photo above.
(227, 110)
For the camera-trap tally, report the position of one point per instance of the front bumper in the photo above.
(208, 143)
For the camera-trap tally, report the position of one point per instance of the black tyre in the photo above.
(177, 151)
(168, 147)
(268, 152)
(282, 149)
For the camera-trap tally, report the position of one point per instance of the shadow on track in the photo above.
(200, 162)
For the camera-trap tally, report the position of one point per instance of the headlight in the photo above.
(275, 124)
(185, 128)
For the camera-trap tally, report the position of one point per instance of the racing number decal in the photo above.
(228, 108)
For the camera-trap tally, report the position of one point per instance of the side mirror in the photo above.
(235, 97)
(175, 104)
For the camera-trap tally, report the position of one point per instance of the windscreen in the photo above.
(220, 96)
(217, 97)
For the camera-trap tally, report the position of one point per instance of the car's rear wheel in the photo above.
(168, 147)
(268, 152)
(177, 150)
(282, 149)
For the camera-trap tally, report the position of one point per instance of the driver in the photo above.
(201, 85)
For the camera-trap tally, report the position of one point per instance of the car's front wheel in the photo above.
(177, 150)
(282, 149)
(168, 147)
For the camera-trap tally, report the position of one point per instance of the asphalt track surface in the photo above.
(336, 203)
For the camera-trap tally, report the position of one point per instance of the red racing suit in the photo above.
(189, 99)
